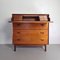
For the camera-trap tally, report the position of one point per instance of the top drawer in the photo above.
(30, 26)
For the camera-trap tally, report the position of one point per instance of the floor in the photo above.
(29, 53)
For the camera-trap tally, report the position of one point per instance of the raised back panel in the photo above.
(30, 17)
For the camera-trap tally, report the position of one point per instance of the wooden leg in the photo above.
(14, 47)
(45, 47)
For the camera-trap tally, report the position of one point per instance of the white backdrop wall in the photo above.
(7, 7)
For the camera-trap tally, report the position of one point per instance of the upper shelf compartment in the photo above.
(30, 17)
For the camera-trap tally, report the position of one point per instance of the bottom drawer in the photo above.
(30, 41)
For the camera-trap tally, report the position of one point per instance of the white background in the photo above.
(51, 7)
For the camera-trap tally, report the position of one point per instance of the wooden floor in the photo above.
(29, 53)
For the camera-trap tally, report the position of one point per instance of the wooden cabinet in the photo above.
(30, 29)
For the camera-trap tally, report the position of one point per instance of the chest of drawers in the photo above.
(30, 30)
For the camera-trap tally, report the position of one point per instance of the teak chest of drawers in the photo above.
(30, 29)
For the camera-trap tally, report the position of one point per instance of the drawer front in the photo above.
(31, 33)
(30, 26)
(30, 41)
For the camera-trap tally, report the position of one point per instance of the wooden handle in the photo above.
(42, 24)
(42, 39)
(18, 24)
(18, 32)
(18, 39)
(42, 32)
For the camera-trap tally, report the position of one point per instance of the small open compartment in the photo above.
(30, 18)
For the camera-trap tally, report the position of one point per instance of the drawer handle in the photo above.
(18, 39)
(42, 32)
(42, 24)
(18, 24)
(18, 32)
(42, 39)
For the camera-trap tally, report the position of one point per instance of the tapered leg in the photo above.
(14, 47)
(45, 47)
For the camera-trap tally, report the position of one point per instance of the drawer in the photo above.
(30, 26)
(30, 41)
(33, 33)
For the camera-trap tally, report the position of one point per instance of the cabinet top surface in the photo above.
(30, 18)
(32, 22)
